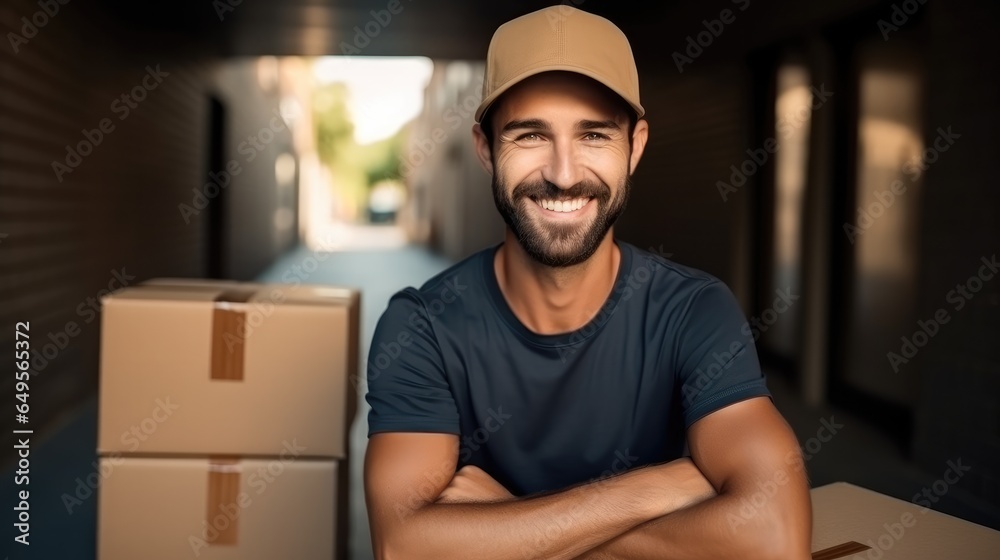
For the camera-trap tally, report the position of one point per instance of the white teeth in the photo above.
(563, 205)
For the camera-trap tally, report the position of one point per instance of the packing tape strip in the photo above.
(840, 551)
(222, 513)
(228, 341)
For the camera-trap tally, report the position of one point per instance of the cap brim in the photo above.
(603, 80)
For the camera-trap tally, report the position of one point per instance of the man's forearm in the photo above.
(554, 526)
(740, 523)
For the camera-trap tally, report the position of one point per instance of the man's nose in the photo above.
(563, 168)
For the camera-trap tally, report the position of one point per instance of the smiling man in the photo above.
(565, 394)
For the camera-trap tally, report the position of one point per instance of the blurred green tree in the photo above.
(355, 168)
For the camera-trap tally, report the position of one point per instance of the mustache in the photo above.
(545, 190)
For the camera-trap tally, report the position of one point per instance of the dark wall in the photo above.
(698, 128)
(959, 408)
(704, 119)
(114, 218)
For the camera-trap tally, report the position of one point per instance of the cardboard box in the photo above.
(195, 282)
(853, 522)
(223, 368)
(249, 509)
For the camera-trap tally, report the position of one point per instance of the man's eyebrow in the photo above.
(585, 124)
(590, 125)
(525, 123)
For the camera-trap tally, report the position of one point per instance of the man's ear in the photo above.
(482, 147)
(639, 136)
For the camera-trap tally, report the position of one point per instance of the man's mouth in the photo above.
(562, 206)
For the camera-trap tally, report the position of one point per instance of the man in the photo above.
(537, 398)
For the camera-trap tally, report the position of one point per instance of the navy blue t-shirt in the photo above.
(544, 412)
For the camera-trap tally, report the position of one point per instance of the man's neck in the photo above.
(551, 300)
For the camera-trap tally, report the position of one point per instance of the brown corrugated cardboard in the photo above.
(198, 368)
(249, 509)
(888, 529)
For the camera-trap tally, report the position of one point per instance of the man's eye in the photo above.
(593, 136)
(527, 137)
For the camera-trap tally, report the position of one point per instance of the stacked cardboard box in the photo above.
(853, 522)
(223, 420)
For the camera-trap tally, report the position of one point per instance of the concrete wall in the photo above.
(452, 205)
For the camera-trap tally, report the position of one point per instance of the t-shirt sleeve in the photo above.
(407, 387)
(716, 359)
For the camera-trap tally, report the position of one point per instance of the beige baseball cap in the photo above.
(560, 38)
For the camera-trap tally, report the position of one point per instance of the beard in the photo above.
(559, 245)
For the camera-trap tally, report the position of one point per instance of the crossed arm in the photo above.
(743, 494)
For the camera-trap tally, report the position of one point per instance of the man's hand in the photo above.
(473, 484)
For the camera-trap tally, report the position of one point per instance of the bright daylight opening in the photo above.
(357, 112)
